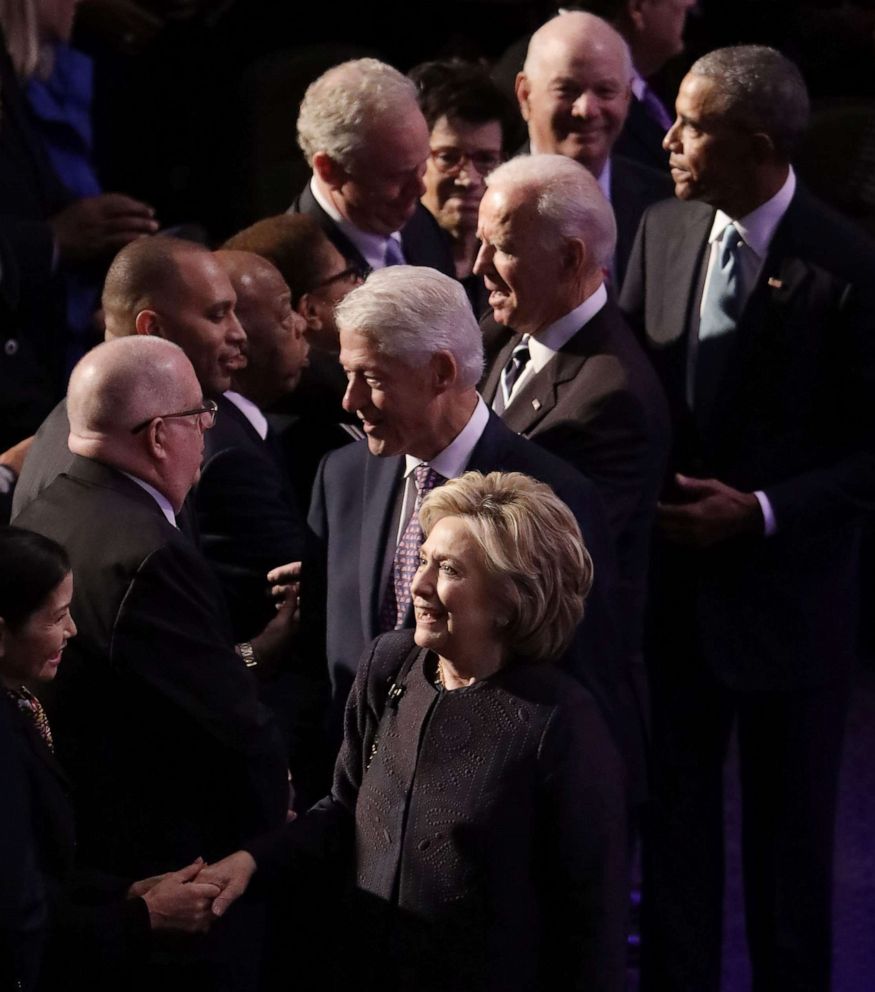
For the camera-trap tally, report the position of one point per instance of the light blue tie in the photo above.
(720, 312)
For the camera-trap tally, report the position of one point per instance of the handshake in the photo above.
(191, 899)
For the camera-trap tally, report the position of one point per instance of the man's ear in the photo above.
(575, 255)
(521, 88)
(310, 312)
(330, 172)
(444, 369)
(148, 322)
(762, 147)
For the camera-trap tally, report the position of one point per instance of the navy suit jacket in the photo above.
(351, 513)
(634, 188)
(422, 239)
(793, 416)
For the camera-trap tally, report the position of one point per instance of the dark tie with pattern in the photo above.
(398, 596)
(720, 313)
(515, 367)
(27, 703)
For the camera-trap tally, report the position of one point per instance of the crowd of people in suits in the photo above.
(387, 585)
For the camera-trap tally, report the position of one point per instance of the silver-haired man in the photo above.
(364, 137)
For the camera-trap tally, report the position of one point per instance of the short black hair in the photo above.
(460, 90)
(31, 566)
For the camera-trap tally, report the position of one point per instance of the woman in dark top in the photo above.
(477, 787)
(54, 916)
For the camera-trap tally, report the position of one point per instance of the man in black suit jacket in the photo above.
(574, 94)
(413, 355)
(759, 316)
(248, 517)
(154, 715)
(586, 391)
(361, 130)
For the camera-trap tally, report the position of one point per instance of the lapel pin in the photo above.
(775, 283)
(536, 404)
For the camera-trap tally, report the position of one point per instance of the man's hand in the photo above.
(99, 226)
(179, 900)
(713, 512)
(285, 582)
(231, 876)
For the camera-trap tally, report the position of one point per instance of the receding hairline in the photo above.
(570, 32)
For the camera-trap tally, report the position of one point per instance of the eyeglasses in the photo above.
(351, 275)
(206, 415)
(451, 161)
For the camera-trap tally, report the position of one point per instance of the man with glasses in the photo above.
(155, 716)
(366, 141)
(167, 288)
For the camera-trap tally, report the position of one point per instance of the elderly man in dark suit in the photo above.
(563, 368)
(163, 287)
(574, 92)
(756, 304)
(155, 717)
(413, 354)
(364, 136)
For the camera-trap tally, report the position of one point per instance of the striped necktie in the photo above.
(515, 367)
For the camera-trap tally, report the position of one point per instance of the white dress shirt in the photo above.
(250, 411)
(162, 501)
(372, 247)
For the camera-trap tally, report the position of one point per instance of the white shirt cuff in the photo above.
(770, 525)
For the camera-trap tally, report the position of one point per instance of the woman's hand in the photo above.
(231, 876)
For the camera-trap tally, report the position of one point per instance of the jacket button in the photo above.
(10, 347)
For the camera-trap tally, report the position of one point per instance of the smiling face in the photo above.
(31, 654)
(198, 315)
(454, 599)
(378, 193)
(575, 96)
(394, 401)
(453, 192)
(710, 156)
(517, 262)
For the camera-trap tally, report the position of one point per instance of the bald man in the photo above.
(155, 716)
(166, 288)
(574, 92)
(248, 516)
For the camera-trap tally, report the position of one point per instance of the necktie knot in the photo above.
(425, 479)
(394, 254)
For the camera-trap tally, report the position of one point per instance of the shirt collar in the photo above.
(250, 411)
(604, 180)
(758, 227)
(545, 344)
(638, 84)
(453, 460)
(372, 247)
(162, 501)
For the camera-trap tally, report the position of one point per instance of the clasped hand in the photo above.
(711, 512)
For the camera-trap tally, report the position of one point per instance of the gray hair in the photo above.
(761, 89)
(573, 25)
(345, 102)
(568, 200)
(410, 312)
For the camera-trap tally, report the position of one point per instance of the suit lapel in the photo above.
(493, 377)
(306, 204)
(379, 491)
(539, 395)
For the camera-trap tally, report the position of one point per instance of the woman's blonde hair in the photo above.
(532, 544)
